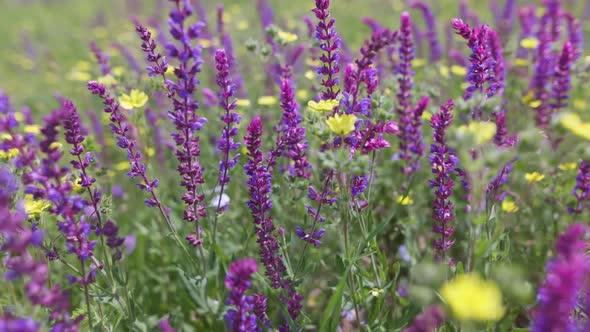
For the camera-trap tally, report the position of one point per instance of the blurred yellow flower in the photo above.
(170, 70)
(242, 25)
(405, 200)
(310, 75)
(267, 100)
(118, 70)
(458, 70)
(580, 104)
(481, 131)
(5, 137)
(136, 99)
(323, 105)
(530, 43)
(77, 75)
(19, 117)
(444, 71)
(417, 63)
(32, 129)
(286, 37)
(535, 103)
(567, 166)
(83, 65)
(9, 154)
(243, 102)
(301, 94)
(573, 123)
(33, 207)
(56, 146)
(107, 80)
(509, 206)
(150, 152)
(76, 186)
(534, 177)
(426, 116)
(342, 124)
(518, 62)
(122, 166)
(472, 298)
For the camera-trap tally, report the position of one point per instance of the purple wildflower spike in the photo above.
(329, 43)
(566, 274)
(241, 317)
(429, 320)
(543, 73)
(431, 29)
(562, 84)
(226, 144)
(101, 57)
(581, 191)
(575, 35)
(443, 164)
(483, 66)
(527, 19)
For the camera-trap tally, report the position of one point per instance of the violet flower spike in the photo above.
(562, 84)
(431, 30)
(581, 191)
(566, 275)
(543, 73)
(326, 34)
(443, 164)
(241, 316)
(101, 57)
(226, 143)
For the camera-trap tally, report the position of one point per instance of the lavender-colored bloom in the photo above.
(241, 317)
(483, 65)
(358, 185)
(267, 18)
(431, 29)
(443, 164)
(325, 197)
(259, 190)
(495, 48)
(165, 326)
(158, 62)
(502, 138)
(101, 57)
(120, 129)
(494, 189)
(553, 17)
(291, 130)
(158, 140)
(566, 275)
(326, 34)
(314, 238)
(411, 143)
(404, 68)
(581, 191)
(543, 72)
(562, 84)
(575, 35)
(431, 319)
(228, 46)
(505, 21)
(226, 144)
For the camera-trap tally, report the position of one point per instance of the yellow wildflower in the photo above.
(19, 117)
(118, 70)
(107, 80)
(323, 105)
(518, 62)
(76, 186)
(9, 154)
(529, 43)
(540, 11)
(472, 298)
(464, 85)
(267, 100)
(458, 70)
(573, 123)
(56, 146)
(242, 25)
(535, 103)
(509, 206)
(83, 65)
(405, 200)
(534, 177)
(426, 116)
(170, 70)
(243, 102)
(310, 75)
(301, 94)
(567, 166)
(150, 152)
(376, 292)
(33, 207)
(481, 131)
(417, 63)
(342, 124)
(5, 137)
(527, 98)
(580, 104)
(122, 166)
(80, 76)
(32, 129)
(286, 37)
(136, 99)
(444, 71)
(205, 43)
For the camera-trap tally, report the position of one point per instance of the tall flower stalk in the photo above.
(241, 317)
(325, 33)
(443, 164)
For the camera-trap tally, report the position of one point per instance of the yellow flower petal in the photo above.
(342, 124)
(405, 200)
(518, 62)
(444, 71)
(323, 105)
(529, 43)
(472, 298)
(9, 154)
(32, 129)
(33, 207)
(567, 166)
(417, 63)
(534, 177)
(267, 100)
(509, 206)
(286, 37)
(458, 70)
(243, 102)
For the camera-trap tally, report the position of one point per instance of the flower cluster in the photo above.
(567, 274)
(101, 57)
(226, 144)
(443, 163)
(581, 191)
(431, 30)
(562, 84)
(241, 317)
(432, 318)
(329, 43)
(483, 65)
(325, 197)
(260, 204)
